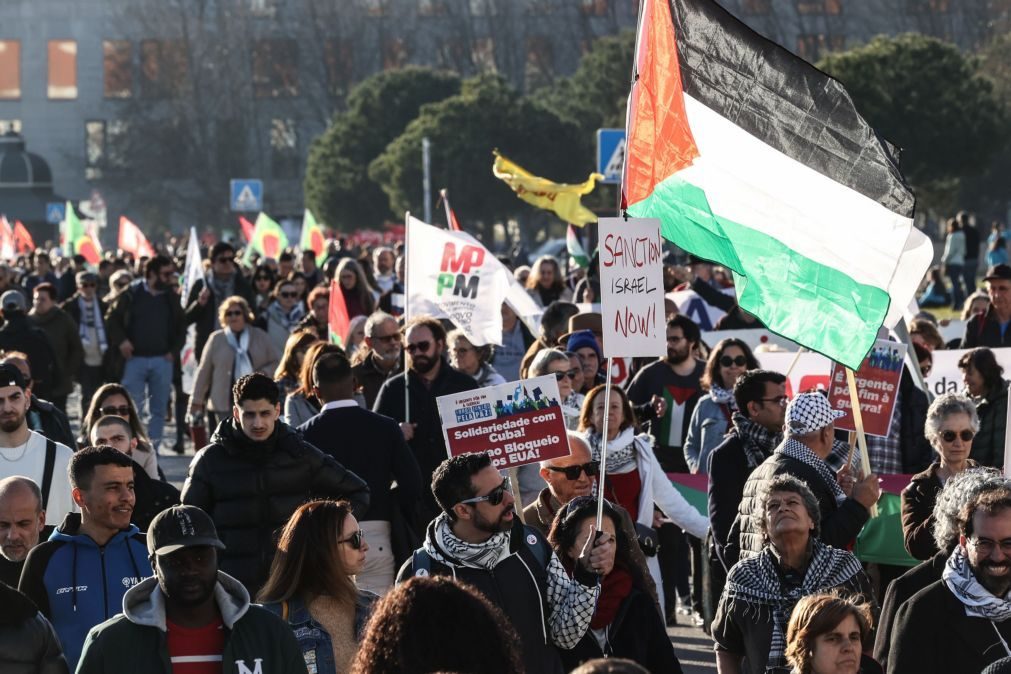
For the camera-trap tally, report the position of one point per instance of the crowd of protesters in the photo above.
(321, 529)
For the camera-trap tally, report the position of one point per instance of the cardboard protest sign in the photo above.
(877, 387)
(516, 423)
(631, 287)
(945, 377)
(694, 307)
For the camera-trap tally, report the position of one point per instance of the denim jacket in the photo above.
(312, 637)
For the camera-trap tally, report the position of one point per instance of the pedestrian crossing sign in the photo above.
(247, 195)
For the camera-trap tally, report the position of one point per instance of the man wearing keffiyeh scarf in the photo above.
(750, 624)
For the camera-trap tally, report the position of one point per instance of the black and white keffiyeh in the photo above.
(801, 452)
(479, 555)
(978, 601)
(758, 441)
(620, 452)
(91, 318)
(722, 396)
(754, 589)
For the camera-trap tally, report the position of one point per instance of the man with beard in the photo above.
(962, 623)
(430, 376)
(27, 453)
(190, 614)
(22, 524)
(147, 326)
(79, 576)
(223, 281)
(380, 360)
(479, 540)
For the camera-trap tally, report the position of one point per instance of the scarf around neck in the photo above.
(242, 365)
(722, 396)
(620, 452)
(91, 317)
(755, 586)
(758, 441)
(478, 555)
(801, 452)
(978, 601)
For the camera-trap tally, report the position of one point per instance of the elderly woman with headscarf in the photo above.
(951, 425)
(751, 620)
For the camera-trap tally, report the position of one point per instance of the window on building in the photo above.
(431, 7)
(163, 68)
(812, 47)
(375, 7)
(10, 69)
(452, 54)
(117, 66)
(284, 159)
(275, 68)
(819, 6)
(540, 6)
(7, 125)
(927, 6)
(339, 61)
(395, 53)
(94, 149)
(484, 55)
(756, 6)
(539, 70)
(262, 8)
(594, 7)
(482, 7)
(62, 69)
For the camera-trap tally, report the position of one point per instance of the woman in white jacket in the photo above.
(634, 477)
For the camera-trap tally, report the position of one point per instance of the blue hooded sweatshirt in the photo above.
(76, 584)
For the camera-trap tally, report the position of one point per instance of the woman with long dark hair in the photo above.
(625, 623)
(302, 405)
(359, 297)
(987, 388)
(311, 583)
(288, 370)
(114, 399)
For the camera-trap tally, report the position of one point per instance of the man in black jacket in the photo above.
(380, 360)
(22, 525)
(18, 334)
(43, 417)
(255, 473)
(342, 429)
(810, 438)
(430, 377)
(207, 293)
(88, 311)
(28, 643)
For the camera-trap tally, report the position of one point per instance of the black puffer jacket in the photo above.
(250, 489)
(28, 644)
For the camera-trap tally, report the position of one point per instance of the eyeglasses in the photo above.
(230, 314)
(225, 260)
(121, 411)
(494, 497)
(779, 400)
(355, 540)
(592, 469)
(966, 435)
(571, 374)
(289, 295)
(418, 346)
(389, 339)
(739, 361)
(985, 546)
(673, 339)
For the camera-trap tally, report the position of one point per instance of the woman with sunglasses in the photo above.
(715, 408)
(115, 400)
(625, 623)
(312, 585)
(237, 349)
(283, 314)
(951, 426)
(634, 478)
(263, 288)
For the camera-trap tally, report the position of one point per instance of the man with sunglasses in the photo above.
(88, 312)
(430, 376)
(222, 281)
(478, 539)
(380, 359)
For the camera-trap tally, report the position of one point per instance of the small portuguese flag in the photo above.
(269, 240)
(312, 237)
(75, 238)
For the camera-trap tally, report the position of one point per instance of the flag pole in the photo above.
(858, 422)
(407, 314)
(603, 446)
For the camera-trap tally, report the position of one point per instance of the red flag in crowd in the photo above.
(247, 229)
(454, 224)
(132, 240)
(6, 239)
(337, 315)
(23, 241)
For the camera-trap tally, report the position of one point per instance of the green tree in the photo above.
(926, 97)
(338, 189)
(464, 129)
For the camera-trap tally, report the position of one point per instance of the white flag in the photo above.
(451, 275)
(194, 270)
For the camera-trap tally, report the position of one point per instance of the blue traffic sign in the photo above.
(247, 195)
(56, 212)
(610, 154)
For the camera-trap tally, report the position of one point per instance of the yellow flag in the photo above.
(558, 197)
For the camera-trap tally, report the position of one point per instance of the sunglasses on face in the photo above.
(262, 278)
(592, 469)
(225, 260)
(121, 411)
(494, 497)
(571, 374)
(230, 314)
(739, 361)
(289, 295)
(355, 540)
(782, 401)
(419, 346)
(949, 436)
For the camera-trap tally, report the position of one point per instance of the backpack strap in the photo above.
(47, 472)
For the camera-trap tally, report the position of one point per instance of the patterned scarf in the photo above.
(722, 396)
(801, 452)
(755, 583)
(978, 601)
(91, 317)
(478, 555)
(758, 441)
(240, 344)
(620, 452)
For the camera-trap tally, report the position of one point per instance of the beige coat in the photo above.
(214, 374)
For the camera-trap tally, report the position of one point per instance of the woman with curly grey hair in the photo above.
(951, 425)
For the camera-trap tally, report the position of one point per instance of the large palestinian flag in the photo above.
(756, 160)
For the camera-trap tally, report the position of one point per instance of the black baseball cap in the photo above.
(10, 375)
(181, 526)
(998, 272)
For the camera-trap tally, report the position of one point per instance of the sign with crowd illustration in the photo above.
(877, 388)
(517, 423)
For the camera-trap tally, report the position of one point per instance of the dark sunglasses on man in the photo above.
(592, 469)
(419, 346)
(494, 497)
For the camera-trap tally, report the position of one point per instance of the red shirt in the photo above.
(196, 650)
(624, 489)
